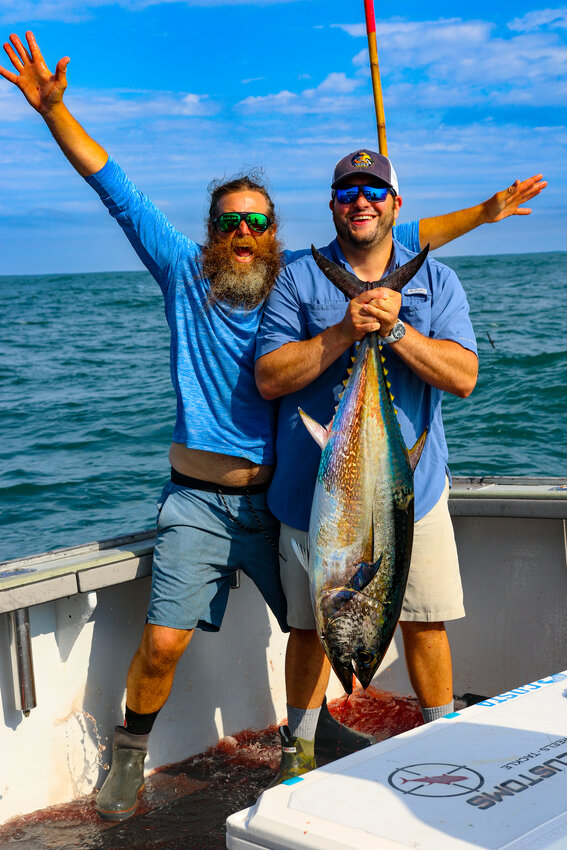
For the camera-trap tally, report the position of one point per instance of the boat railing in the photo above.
(33, 580)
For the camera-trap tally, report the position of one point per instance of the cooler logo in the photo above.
(436, 780)
(525, 689)
(362, 160)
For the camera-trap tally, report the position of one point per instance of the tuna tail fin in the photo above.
(414, 453)
(398, 278)
(351, 286)
(319, 433)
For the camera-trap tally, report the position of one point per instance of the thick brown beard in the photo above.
(241, 284)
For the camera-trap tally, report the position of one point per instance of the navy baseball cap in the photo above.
(365, 162)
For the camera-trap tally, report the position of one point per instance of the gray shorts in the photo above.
(202, 540)
(434, 592)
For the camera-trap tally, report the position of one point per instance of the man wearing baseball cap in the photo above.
(303, 350)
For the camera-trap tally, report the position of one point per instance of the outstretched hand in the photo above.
(40, 87)
(507, 202)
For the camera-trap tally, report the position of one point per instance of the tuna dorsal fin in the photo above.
(319, 433)
(351, 286)
(415, 452)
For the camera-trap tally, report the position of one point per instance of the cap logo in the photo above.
(361, 159)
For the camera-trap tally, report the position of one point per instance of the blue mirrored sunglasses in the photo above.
(373, 194)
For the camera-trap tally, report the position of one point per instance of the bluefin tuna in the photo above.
(361, 526)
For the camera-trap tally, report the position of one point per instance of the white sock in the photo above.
(302, 722)
(437, 711)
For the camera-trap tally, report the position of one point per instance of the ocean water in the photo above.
(87, 408)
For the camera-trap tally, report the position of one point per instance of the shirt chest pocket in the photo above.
(322, 314)
(416, 310)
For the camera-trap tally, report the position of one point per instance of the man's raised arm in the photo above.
(44, 91)
(439, 230)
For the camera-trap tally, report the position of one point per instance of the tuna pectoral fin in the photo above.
(301, 553)
(319, 433)
(415, 453)
(364, 575)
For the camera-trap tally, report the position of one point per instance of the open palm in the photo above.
(40, 87)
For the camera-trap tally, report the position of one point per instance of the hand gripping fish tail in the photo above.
(361, 525)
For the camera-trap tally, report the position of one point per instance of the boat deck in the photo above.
(186, 805)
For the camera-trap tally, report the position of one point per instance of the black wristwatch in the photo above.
(397, 332)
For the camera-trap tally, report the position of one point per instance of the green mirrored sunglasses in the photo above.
(229, 221)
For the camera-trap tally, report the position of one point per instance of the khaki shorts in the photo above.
(434, 592)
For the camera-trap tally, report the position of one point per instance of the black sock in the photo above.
(139, 724)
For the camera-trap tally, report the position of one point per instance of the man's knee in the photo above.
(162, 647)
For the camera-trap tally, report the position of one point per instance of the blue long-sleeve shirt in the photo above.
(219, 408)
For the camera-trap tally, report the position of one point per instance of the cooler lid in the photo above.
(492, 776)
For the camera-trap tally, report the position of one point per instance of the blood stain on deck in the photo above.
(185, 805)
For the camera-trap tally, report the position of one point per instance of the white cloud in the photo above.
(453, 62)
(541, 18)
(123, 105)
(13, 107)
(329, 96)
(356, 30)
(73, 11)
(336, 83)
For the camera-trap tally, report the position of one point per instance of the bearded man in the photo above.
(213, 516)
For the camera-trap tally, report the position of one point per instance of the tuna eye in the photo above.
(363, 657)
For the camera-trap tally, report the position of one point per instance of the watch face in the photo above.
(397, 332)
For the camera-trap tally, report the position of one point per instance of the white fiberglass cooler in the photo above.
(492, 776)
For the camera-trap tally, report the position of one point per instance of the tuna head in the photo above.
(350, 636)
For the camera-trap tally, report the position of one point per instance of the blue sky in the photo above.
(181, 92)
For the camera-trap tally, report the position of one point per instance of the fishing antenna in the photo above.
(375, 74)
